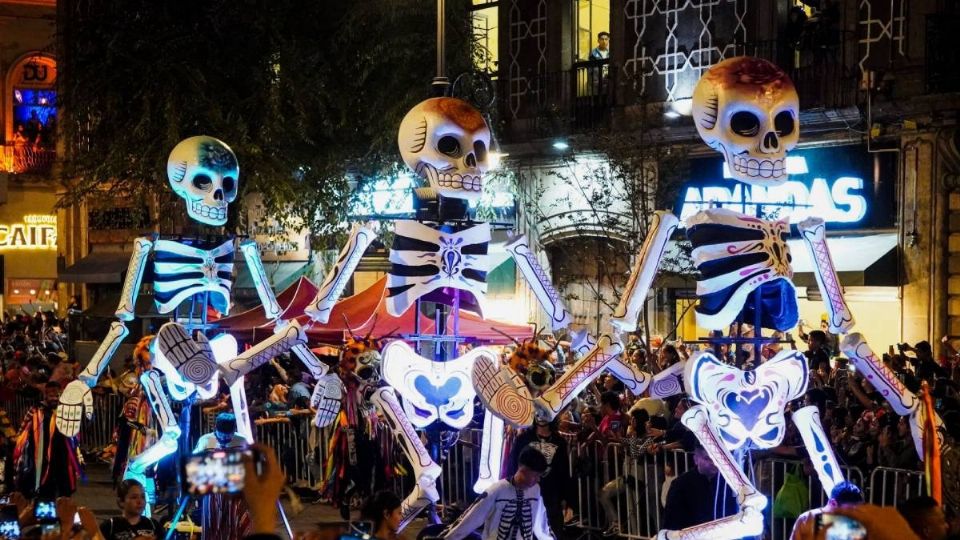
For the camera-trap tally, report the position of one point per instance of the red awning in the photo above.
(366, 313)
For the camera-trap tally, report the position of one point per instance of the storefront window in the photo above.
(593, 17)
(486, 55)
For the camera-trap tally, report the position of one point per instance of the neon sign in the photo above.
(38, 231)
(846, 186)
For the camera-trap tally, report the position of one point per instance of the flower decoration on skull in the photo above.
(447, 141)
(748, 110)
(203, 171)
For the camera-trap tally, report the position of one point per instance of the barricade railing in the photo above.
(608, 486)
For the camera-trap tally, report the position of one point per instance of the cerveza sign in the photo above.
(36, 232)
(843, 185)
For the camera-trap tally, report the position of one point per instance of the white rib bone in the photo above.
(329, 292)
(539, 282)
(840, 318)
(644, 270)
(818, 446)
(131, 282)
(424, 468)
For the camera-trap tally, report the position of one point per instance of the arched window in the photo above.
(30, 103)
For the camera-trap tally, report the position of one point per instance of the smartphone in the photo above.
(215, 471)
(840, 527)
(9, 521)
(45, 511)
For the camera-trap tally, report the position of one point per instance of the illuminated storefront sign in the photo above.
(37, 231)
(846, 186)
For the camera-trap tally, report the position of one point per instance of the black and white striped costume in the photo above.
(424, 259)
(505, 513)
(182, 270)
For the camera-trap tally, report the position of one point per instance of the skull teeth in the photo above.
(759, 168)
(467, 182)
(217, 213)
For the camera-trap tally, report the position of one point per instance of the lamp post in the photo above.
(440, 82)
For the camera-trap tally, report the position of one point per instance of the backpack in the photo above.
(793, 497)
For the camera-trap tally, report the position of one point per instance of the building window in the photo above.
(486, 52)
(593, 17)
(31, 125)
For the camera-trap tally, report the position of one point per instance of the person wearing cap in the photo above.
(555, 481)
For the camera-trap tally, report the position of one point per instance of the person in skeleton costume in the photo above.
(510, 509)
(203, 171)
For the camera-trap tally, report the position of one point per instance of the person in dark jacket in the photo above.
(555, 482)
(699, 495)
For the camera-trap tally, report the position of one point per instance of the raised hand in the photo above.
(76, 401)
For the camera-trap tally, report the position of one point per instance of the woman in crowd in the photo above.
(383, 510)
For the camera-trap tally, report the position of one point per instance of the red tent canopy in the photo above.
(365, 312)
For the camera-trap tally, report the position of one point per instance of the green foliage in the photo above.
(308, 94)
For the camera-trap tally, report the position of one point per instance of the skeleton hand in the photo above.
(326, 399)
(75, 402)
(193, 359)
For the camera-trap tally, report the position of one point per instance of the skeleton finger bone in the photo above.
(840, 318)
(539, 282)
(75, 400)
(571, 383)
(818, 446)
(644, 270)
(337, 278)
(425, 469)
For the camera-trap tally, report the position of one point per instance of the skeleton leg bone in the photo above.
(491, 452)
(425, 469)
(238, 397)
(840, 317)
(818, 446)
(163, 447)
(644, 270)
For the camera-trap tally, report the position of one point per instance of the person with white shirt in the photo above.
(510, 509)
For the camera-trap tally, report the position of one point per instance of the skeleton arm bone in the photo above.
(491, 452)
(818, 446)
(813, 232)
(539, 282)
(644, 270)
(425, 469)
(271, 307)
(329, 292)
(571, 383)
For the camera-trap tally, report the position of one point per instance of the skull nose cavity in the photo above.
(471, 160)
(771, 143)
(218, 195)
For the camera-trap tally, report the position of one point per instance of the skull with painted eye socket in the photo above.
(447, 141)
(748, 110)
(203, 171)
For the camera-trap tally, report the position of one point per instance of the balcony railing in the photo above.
(26, 159)
(577, 99)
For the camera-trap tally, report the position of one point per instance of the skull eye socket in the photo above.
(229, 184)
(202, 181)
(449, 145)
(783, 123)
(480, 150)
(745, 123)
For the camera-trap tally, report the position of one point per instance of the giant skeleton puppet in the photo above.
(203, 171)
(747, 109)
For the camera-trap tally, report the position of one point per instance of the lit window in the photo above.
(593, 17)
(486, 51)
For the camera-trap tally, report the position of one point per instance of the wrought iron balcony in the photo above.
(26, 159)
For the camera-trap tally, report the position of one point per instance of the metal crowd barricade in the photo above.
(97, 433)
(889, 486)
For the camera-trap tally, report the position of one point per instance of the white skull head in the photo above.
(203, 171)
(747, 109)
(447, 141)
